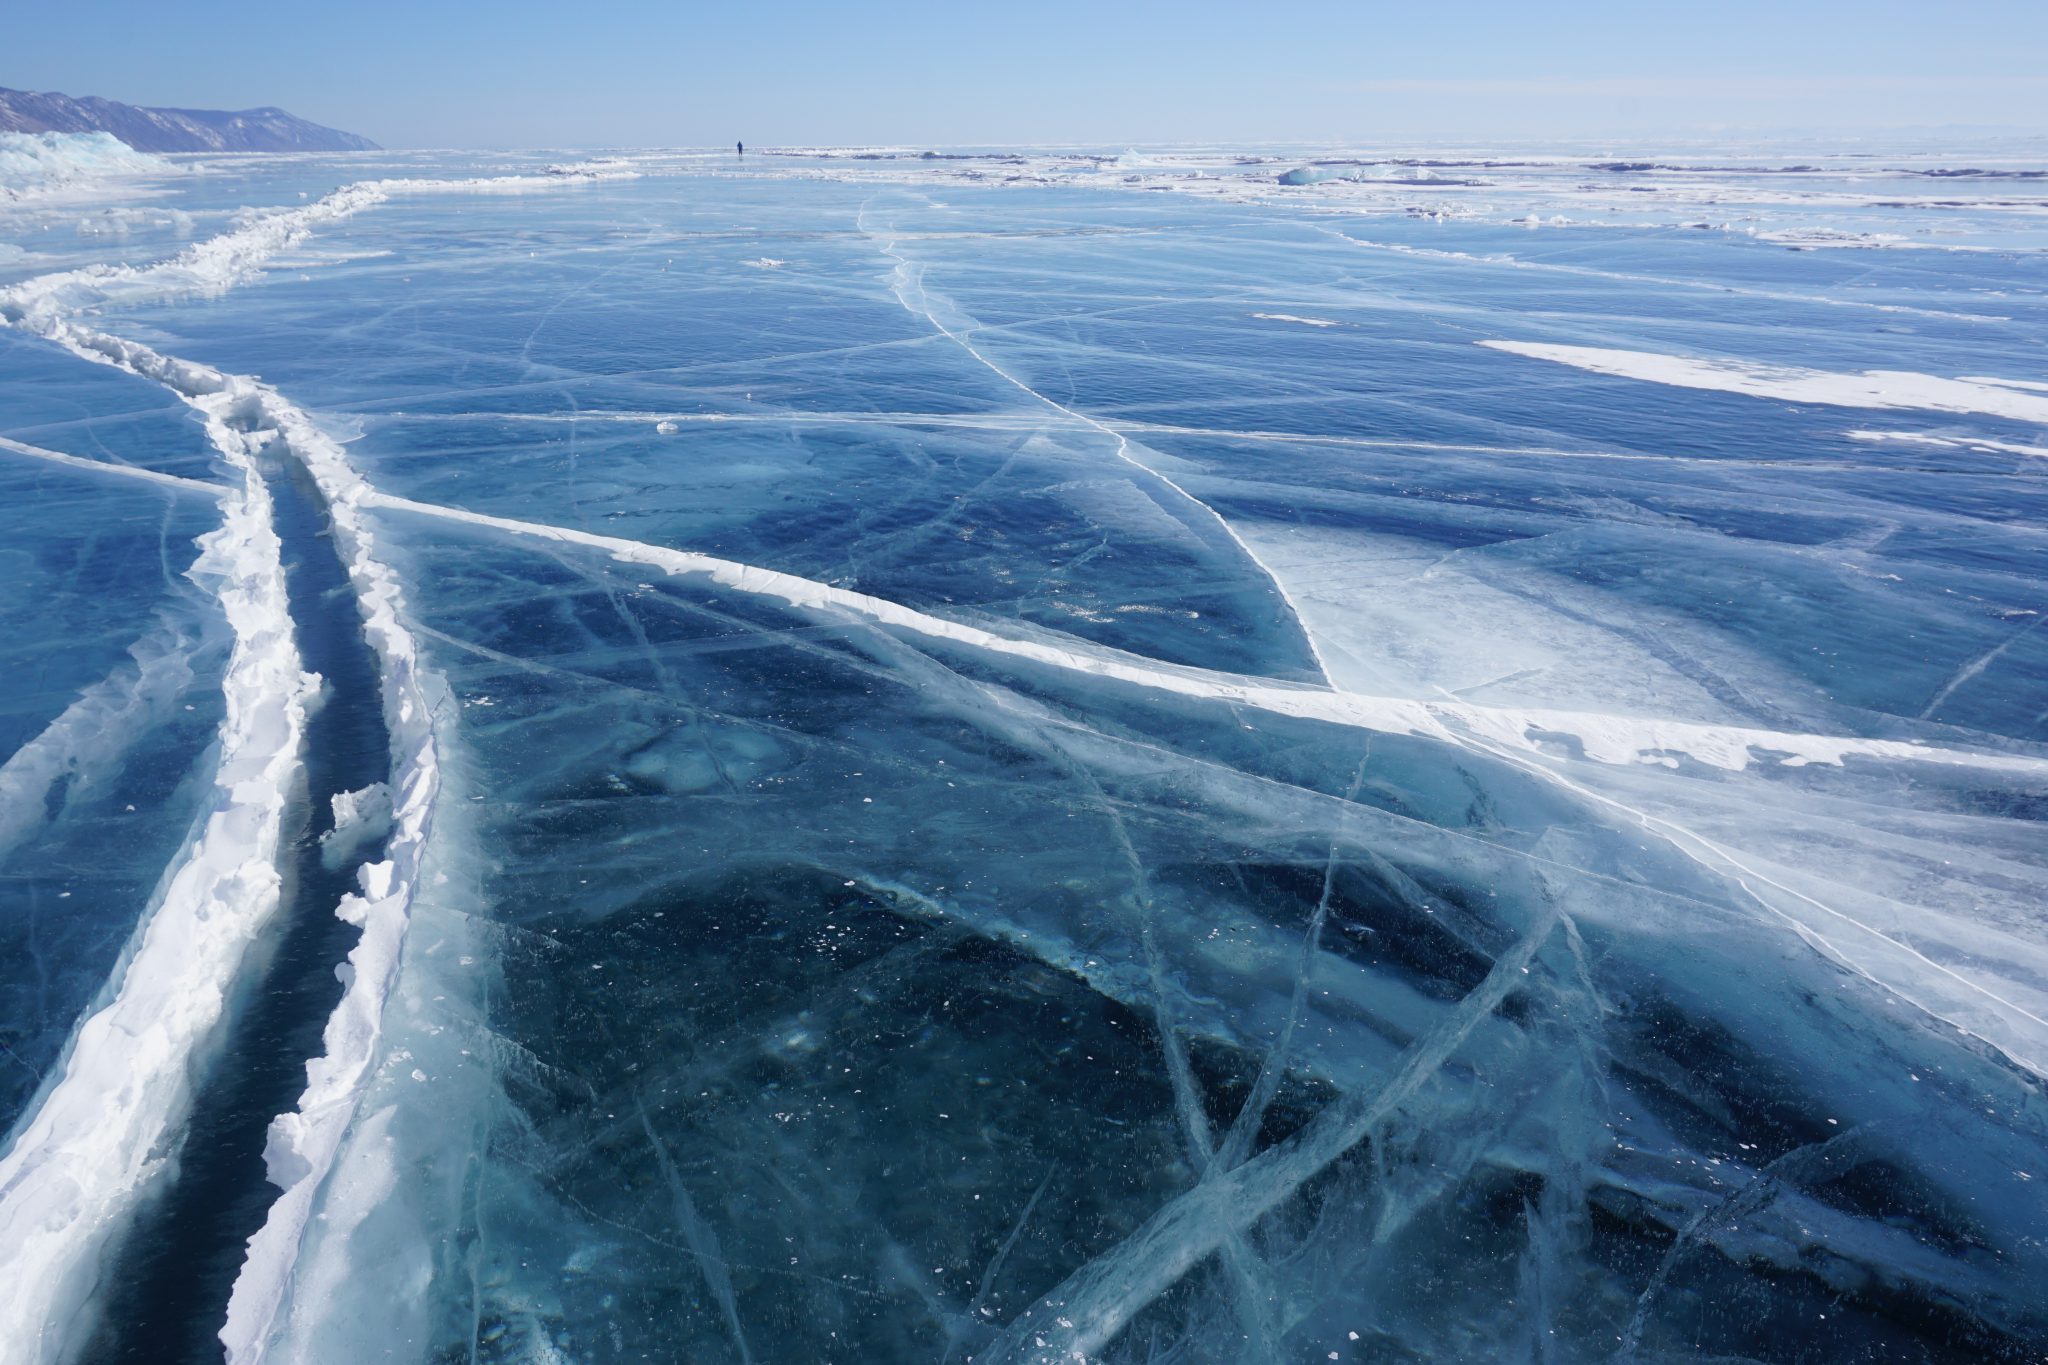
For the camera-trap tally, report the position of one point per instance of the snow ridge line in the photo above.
(211, 266)
(304, 1144)
(74, 1174)
(93, 1145)
(238, 255)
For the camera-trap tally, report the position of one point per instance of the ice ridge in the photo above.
(88, 1151)
(95, 1142)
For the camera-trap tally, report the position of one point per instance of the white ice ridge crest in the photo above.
(93, 1146)
(303, 1144)
(220, 263)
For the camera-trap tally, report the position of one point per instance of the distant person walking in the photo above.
(742, 146)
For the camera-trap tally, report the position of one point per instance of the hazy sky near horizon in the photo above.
(521, 73)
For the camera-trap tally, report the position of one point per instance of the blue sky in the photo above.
(526, 74)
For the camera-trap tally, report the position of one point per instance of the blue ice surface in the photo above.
(797, 988)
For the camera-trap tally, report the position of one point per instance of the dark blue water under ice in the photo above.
(788, 987)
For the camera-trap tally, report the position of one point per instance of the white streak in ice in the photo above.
(1870, 389)
(127, 471)
(1291, 317)
(907, 282)
(1603, 738)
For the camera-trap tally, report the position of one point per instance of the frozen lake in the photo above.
(1020, 756)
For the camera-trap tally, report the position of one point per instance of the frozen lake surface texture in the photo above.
(1023, 757)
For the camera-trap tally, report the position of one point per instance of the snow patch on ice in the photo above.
(1790, 384)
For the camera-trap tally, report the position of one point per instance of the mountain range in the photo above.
(268, 129)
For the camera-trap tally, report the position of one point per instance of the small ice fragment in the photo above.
(361, 818)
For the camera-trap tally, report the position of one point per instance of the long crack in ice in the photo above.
(907, 283)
